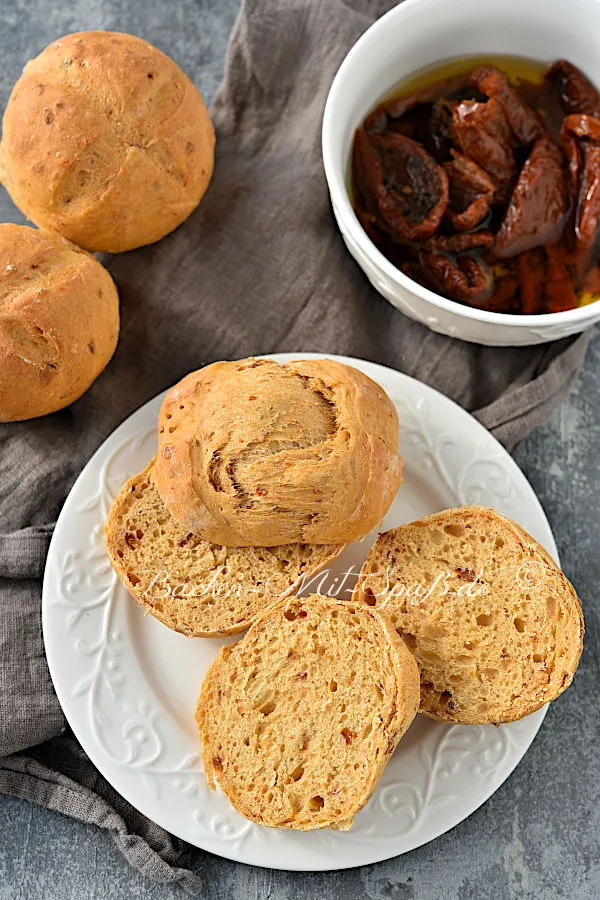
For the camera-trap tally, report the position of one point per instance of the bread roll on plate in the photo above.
(59, 322)
(494, 625)
(106, 141)
(253, 453)
(195, 587)
(299, 719)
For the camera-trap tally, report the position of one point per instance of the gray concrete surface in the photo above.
(538, 836)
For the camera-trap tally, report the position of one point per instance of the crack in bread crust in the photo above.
(107, 141)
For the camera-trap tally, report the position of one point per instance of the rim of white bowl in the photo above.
(336, 182)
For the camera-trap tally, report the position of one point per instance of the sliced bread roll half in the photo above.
(193, 586)
(299, 719)
(494, 625)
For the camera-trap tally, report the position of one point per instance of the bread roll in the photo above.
(106, 141)
(59, 322)
(299, 719)
(197, 588)
(253, 453)
(494, 625)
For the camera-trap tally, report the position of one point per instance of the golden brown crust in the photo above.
(253, 453)
(59, 322)
(299, 719)
(495, 626)
(192, 586)
(106, 141)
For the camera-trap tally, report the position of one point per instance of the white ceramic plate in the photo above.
(128, 685)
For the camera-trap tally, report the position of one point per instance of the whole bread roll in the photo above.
(253, 453)
(106, 141)
(59, 322)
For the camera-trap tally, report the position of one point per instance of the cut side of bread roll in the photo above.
(495, 626)
(195, 587)
(299, 719)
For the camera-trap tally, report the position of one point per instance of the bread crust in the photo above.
(253, 453)
(226, 708)
(495, 640)
(220, 592)
(59, 322)
(106, 141)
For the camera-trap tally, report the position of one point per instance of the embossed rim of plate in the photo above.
(481, 756)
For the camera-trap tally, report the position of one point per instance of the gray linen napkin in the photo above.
(259, 268)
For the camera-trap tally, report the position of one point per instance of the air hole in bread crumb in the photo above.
(519, 625)
(550, 607)
(370, 598)
(408, 638)
(267, 708)
(454, 530)
(297, 773)
(483, 620)
(446, 700)
(316, 802)
(333, 686)
(290, 615)
(538, 658)
(499, 543)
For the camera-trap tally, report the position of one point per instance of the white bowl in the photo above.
(412, 36)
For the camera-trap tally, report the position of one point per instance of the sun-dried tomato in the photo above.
(407, 189)
(481, 132)
(581, 142)
(471, 192)
(464, 278)
(523, 121)
(536, 214)
(577, 93)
